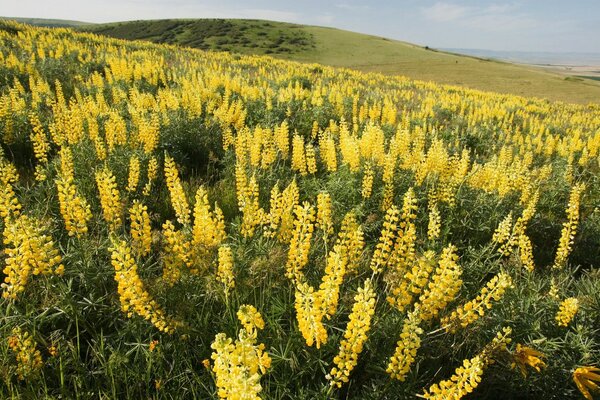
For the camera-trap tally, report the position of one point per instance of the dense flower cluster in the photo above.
(239, 365)
(567, 310)
(29, 251)
(29, 359)
(300, 243)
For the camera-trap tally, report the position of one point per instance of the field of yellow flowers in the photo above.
(187, 224)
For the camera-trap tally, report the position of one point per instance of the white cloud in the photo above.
(442, 12)
(493, 17)
(353, 7)
(324, 19)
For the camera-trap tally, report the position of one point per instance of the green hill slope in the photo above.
(358, 51)
(49, 23)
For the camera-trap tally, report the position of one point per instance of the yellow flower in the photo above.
(567, 310)
(585, 378)
(525, 356)
(110, 199)
(406, 348)
(300, 244)
(355, 335)
(225, 268)
(134, 174)
(178, 199)
(471, 311)
(141, 231)
(29, 359)
(569, 230)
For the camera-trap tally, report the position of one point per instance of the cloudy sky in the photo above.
(521, 25)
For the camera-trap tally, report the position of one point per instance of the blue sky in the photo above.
(534, 25)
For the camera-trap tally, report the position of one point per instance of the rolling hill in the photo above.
(341, 48)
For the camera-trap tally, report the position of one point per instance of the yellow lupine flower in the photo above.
(134, 174)
(300, 243)
(386, 240)
(566, 313)
(468, 376)
(585, 378)
(310, 310)
(225, 268)
(524, 357)
(406, 348)
(178, 198)
(29, 359)
(239, 365)
(110, 199)
(209, 226)
(9, 204)
(470, 312)
(367, 182)
(134, 298)
(355, 335)
(74, 209)
(569, 230)
(29, 251)
(141, 230)
(324, 219)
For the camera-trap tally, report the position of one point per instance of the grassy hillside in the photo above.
(50, 23)
(358, 51)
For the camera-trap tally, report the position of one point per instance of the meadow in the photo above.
(361, 52)
(187, 224)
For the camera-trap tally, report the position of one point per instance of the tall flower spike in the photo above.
(407, 347)
(355, 335)
(310, 310)
(225, 268)
(569, 230)
(110, 198)
(141, 230)
(386, 240)
(300, 243)
(324, 219)
(471, 311)
(178, 199)
(132, 294)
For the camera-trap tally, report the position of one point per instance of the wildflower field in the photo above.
(188, 224)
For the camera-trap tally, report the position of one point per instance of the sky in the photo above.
(525, 25)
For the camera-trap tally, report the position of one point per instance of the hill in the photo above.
(49, 23)
(362, 52)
